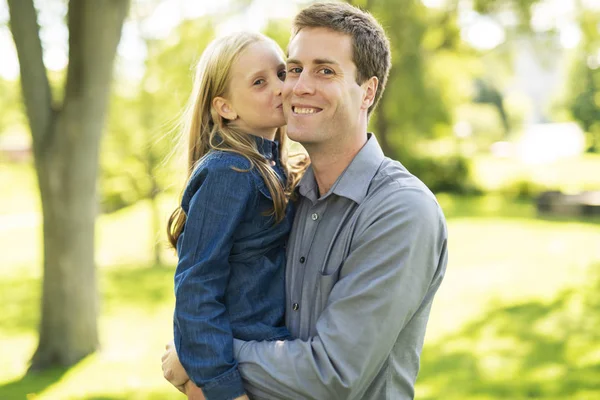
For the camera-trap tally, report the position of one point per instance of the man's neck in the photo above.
(329, 160)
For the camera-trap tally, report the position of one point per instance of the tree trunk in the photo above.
(66, 141)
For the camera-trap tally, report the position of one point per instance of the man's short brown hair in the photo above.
(371, 47)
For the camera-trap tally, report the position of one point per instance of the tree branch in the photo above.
(34, 80)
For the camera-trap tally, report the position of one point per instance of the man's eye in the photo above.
(295, 70)
(282, 75)
(259, 82)
(326, 71)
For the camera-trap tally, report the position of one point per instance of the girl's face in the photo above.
(253, 102)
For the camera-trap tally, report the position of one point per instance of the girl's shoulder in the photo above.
(224, 167)
(218, 159)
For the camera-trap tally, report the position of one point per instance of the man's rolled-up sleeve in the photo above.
(394, 261)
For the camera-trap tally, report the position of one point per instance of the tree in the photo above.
(583, 96)
(66, 136)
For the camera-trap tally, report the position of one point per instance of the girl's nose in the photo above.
(278, 88)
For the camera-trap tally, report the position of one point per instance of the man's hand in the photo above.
(173, 370)
(192, 391)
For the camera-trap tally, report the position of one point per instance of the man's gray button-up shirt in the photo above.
(364, 263)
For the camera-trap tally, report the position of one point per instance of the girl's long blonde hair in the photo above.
(207, 130)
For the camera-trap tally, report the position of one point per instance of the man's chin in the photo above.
(297, 135)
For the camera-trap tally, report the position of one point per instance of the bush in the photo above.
(450, 174)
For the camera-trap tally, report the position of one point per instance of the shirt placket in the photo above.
(307, 267)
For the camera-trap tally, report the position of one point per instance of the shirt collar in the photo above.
(354, 182)
(266, 147)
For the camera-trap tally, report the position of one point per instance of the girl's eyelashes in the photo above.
(282, 74)
(258, 82)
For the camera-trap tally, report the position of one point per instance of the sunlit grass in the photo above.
(135, 324)
(509, 322)
(568, 175)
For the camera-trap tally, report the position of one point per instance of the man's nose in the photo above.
(303, 85)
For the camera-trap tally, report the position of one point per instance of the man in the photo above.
(368, 249)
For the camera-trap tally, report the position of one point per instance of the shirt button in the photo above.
(295, 306)
(302, 259)
(315, 216)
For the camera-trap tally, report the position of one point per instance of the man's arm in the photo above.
(397, 256)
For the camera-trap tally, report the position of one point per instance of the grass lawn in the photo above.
(568, 175)
(517, 317)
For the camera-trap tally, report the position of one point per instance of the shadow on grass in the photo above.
(34, 383)
(31, 384)
(158, 395)
(530, 350)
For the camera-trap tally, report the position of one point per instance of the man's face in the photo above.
(321, 99)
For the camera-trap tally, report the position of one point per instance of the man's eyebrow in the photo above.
(315, 61)
(325, 61)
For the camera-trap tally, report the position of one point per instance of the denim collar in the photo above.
(354, 182)
(266, 147)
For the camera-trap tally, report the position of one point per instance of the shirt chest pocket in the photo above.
(332, 267)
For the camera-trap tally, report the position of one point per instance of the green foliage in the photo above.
(582, 99)
(12, 116)
(522, 8)
(279, 30)
(143, 146)
(413, 102)
(441, 174)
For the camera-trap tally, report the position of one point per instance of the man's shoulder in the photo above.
(397, 194)
(394, 180)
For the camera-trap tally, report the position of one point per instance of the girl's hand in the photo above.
(173, 370)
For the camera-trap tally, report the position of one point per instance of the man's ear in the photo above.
(370, 89)
(224, 108)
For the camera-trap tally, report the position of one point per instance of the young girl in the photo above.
(235, 215)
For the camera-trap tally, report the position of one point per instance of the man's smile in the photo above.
(303, 110)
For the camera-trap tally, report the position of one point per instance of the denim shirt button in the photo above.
(315, 216)
(295, 306)
(302, 259)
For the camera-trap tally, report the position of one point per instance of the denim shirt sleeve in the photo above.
(215, 202)
(389, 273)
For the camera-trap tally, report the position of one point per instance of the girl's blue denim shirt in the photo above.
(229, 280)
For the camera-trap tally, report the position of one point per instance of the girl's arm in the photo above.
(217, 200)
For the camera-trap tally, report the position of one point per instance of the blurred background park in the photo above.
(495, 104)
